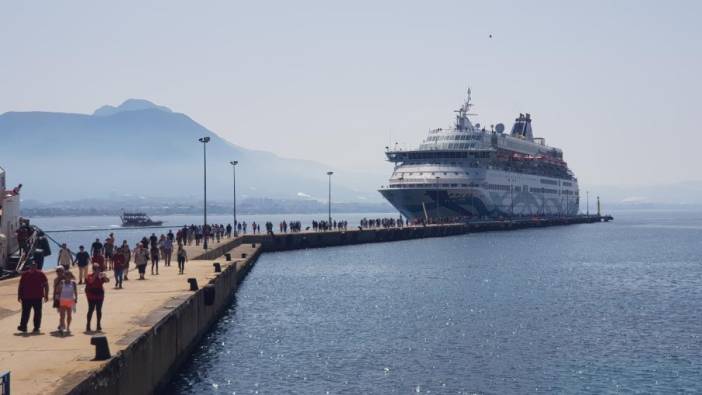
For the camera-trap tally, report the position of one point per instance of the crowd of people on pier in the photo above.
(382, 223)
(290, 226)
(104, 257)
(93, 266)
(199, 234)
(324, 226)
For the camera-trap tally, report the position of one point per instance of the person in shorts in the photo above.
(68, 297)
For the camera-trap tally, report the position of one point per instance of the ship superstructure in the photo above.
(469, 172)
(9, 220)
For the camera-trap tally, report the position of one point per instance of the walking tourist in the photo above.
(109, 248)
(95, 293)
(154, 259)
(118, 267)
(60, 270)
(124, 250)
(140, 258)
(68, 297)
(33, 286)
(182, 257)
(82, 260)
(96, 248)
(99, 260)
(167, 251)
(64, 257)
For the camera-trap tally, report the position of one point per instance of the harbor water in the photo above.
(574, 309)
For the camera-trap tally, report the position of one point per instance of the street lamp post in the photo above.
(234, 163)
(329, 173)
(204, 141)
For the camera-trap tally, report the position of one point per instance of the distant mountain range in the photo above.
(140, 148)
(688, 194)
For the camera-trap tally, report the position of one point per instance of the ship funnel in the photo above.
(522, 127)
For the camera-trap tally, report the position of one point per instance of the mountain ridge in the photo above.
(154, 152)
(129, 105)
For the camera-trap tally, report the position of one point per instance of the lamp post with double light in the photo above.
(204, 141)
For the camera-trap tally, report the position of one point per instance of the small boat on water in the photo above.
(138, 219)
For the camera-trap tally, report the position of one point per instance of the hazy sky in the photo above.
(616, 84)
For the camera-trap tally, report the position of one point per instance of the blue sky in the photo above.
(615, 84)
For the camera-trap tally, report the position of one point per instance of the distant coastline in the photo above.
(108, 207)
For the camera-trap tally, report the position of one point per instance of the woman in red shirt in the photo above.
(95, 294)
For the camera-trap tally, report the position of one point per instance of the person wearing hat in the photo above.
(33, 287)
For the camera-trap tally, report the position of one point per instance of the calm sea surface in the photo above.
(584, 308)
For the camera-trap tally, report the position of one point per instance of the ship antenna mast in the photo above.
(462, 117)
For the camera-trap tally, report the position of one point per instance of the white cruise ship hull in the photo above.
(486, 194)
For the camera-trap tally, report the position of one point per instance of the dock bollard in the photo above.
(102, 349)
(193, 284)
(253, 245)
(243, 255)
(217, 267)
(228, 256)
(209, 291)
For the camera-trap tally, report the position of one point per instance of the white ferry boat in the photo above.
(472, 172)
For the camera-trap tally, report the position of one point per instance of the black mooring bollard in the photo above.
(217, 267)
(193, 284)
(228, 256)
(243, 255)
(209, 291)
(253, 245)
(102, 349)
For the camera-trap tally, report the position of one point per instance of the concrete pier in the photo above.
(152, 326)
(301, 240)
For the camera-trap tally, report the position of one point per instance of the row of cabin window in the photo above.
(452, 146)
(458, 137)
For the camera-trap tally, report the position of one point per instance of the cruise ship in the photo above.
(471, 172)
